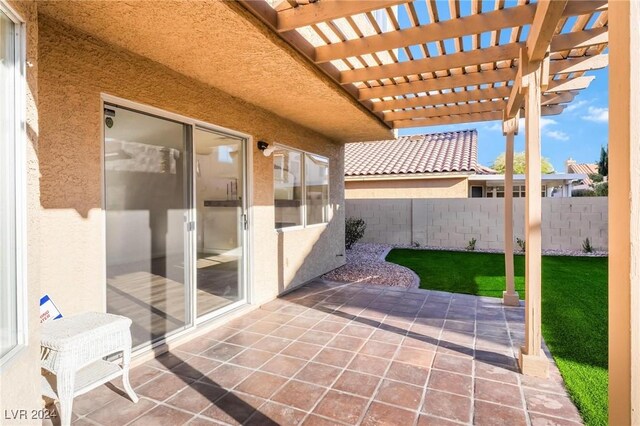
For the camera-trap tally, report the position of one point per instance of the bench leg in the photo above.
(126, 360)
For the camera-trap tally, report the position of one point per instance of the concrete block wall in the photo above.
(452, 222)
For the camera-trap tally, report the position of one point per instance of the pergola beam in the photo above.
(326, 10)
(467, 118)
(504, 52)
(453, 28)
(471, 108)
(548, 14)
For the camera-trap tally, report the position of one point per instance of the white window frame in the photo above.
(303, 178)
(20, 184)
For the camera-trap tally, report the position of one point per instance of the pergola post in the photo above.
(510, 296)
(624, 214)
(532, 360)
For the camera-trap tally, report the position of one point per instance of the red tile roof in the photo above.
(586, 168)
(432, 153)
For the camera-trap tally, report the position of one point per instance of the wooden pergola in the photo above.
(426, 62)
(495, 63)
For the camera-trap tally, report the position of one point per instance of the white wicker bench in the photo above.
(73, 350)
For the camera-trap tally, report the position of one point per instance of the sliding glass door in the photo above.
(175, 222)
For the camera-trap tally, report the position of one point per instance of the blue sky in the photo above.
(578, 132)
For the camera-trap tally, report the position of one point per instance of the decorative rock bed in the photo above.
(366, 264)
(547, 252)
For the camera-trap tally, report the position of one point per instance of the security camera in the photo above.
(267, 152)
(262, 145)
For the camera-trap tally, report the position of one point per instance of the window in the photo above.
(12, 309)
(287, 177)
(301, 188)
(476, 192)
(519, 191)
(316, 183)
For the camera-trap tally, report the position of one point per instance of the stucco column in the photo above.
(624, 213)
(532, 360)
(509, 297)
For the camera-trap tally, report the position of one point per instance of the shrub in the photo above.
(472, 244)
(586, 246)
(587, 192)
(602, 189)
(521, 243)
(354, 230)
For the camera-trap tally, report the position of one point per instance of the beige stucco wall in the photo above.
(20, 378)
(407, 188)
(447, 222)
(75, 70)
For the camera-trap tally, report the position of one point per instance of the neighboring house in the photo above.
(585, 169)
(437, 165)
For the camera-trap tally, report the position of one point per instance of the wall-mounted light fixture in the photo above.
(265, 148)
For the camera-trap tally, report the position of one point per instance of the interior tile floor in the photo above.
(330, 354)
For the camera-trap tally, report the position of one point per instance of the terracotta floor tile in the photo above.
(244, 339)
(272, 414)
(196, 397)
(302, 350)
(390, 334)
(223, 351)
(379, 349)
(99, 397)
(299, 395)
(251, 358)
(336, 357)
(500, 393)
(220, 333)
(551, 404)
(447, 405)
(314, 420)
(316, 337)
(272, 344)
(165, 361)
(427, 420)
(386, 415)
(341, 407)
(197, 345)
(163, 386)
(401, 394)
(497, 415)
(121, 411)
(346, 342)
(369, 364)
(450, 382)
(538, 419)
(195, 367)
(498, 374)
(163, 416)
(233, 408)
(320, 374)
(408, 373)
(455, 364)
(357, 383)
(328, 326)
(415, 356)
(283, 365)
(263, 327)
(227, 376)
(261, 384)
(357, 331)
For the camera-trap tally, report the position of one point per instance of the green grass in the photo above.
(574, 310)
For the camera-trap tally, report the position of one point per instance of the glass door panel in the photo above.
(146, 171)
(220, 213)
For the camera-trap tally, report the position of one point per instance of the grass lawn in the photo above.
(574, 310)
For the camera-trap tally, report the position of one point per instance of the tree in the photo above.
(519, 164)
(603, 164)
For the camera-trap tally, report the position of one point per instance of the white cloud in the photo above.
(494, 127)
(599, 115)
(557, 134)
(544, 122)
(575, 105)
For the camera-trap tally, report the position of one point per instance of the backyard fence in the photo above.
(453, 222)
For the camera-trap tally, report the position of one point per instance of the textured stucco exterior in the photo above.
(221, 44)
(20, 378)
(407, 188)
(75, 69)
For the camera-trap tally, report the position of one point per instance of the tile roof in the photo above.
(431, 153)
(484, 170)
(585, 168)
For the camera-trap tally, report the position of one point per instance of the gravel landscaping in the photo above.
(547, 252)
(366, 264)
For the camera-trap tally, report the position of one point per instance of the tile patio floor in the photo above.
(332, 354)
